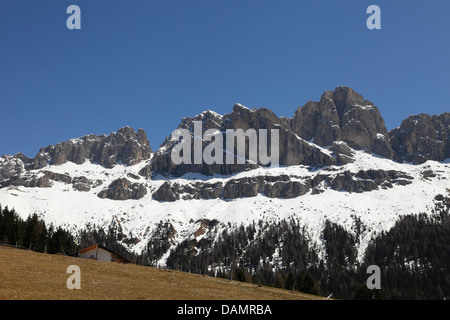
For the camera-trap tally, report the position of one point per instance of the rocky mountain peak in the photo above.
(124, 146)
(321, 133)
(237, 107)
(344, 97)
(422, 137)
(343, 115)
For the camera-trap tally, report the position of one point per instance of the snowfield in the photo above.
(378, 210)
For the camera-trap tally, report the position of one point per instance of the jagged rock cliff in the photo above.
(422, 137)
(319, 135)
(343, 115)
(124, 146)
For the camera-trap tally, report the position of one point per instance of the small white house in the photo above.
(101, 253)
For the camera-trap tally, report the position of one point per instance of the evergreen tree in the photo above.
(33, 233)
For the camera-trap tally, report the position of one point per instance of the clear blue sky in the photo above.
(147, 64)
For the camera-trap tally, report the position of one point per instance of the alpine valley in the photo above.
(348, 193)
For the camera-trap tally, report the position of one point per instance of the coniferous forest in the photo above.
(34, 234)
(413, 256)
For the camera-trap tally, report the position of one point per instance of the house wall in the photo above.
(99, 253)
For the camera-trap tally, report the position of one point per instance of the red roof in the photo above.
(95, 246)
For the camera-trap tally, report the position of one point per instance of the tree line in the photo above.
(414, 256)
(34, 234)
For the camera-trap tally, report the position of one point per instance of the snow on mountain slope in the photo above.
(378, 209)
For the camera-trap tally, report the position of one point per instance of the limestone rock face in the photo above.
(282, 186)
(124, 146)
(343, 115)
(123, 189)
(422, 137)
(322, 136)
(10, 166)
(293, 150)
(341, 121)
(162, 161)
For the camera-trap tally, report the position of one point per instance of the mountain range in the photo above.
(338, 163)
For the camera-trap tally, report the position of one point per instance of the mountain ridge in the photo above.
(323, 122)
